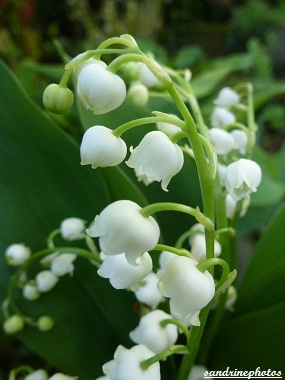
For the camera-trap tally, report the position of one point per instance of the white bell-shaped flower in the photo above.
(121, 228)
(231, 206)
(61, 376)
(126, 364)
(242, 178)
(221, 117)
(148, 293)
(63, 264)
(17, 254)
(189, 289)
(167, 128)
(198, 247)
(98, 89)
(122, 274)
(222, 140)
(46, 280)
(158, 157)
(240, 140)
(101, 148)
(227, 97)
(30, 291)
(152, 334)
(164, 259)
(72, 229)
(39, 374)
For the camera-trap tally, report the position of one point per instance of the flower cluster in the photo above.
(127, 235)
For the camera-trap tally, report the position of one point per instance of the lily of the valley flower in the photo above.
(145, 75)
(126, 364)
(46, 280)
(31, 292)
(242, 178)
(121, 273)
(222, 140)
(153, 334)
(189, 289)
(148, 293)
(39, 374)
(227, 98)
(221, 117)
(72, 229)
(63, 264)
(17, 254)
(198, 247)
(121, 228)
(158, 158)
(138, 94)
(61, 376)
(100, 148)
(240, 140)
(100, 90)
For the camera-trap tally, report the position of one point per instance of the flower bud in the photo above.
(98, 89)
(138, 94)
(72, 229)
(17, 254)
(13, 324)
(146, 76)
(45, 323)
(31, 292)
(46, 280)
(57, 99)
(101, 148)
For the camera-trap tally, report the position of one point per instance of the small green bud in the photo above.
(13, 324)
(57, 99)
(45, 323)
(138, 94)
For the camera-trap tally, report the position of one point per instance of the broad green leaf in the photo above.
(254, 334)
(42, 183)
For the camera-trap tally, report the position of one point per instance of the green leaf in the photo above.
(42, 182)
(206, 82)
(254, 334)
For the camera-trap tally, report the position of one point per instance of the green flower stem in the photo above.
(23, 368)
(65, 78)
(79, 59)
(205, 265)
(175, 322)
(52, 235)
(35, 258)
(124, 39)
(176, 349)
(145, 120)
(193, 344)
(176, 251)
(183, 237)
(169, 206)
